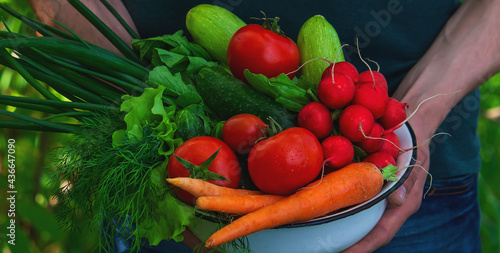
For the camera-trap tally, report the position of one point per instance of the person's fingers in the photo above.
(193, 242)
(401, 205)
(44, 10)
(399, 196)
(190, 239)
(391, 220)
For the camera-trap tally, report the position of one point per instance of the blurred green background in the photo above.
(37, 230)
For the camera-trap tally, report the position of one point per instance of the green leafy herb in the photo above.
(293, 94)
(118, 189)
(175, 43)
(182, 94)
(179, 62)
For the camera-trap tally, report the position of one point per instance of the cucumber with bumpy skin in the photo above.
(212, 27)
(318, 39)
(229, 96)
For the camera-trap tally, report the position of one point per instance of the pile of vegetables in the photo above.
(171, 128)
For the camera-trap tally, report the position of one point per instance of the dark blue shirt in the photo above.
(394, 33)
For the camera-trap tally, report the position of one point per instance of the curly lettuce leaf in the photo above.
(172, 215)
(193, 118)
(148, 109)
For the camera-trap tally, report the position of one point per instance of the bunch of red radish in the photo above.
(354, 112)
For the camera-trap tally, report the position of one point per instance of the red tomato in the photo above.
(261, 51)
(197, 150)
(285, 162)
(241, 132)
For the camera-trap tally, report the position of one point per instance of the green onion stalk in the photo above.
(123, 111)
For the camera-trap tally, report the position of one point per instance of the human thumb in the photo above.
(399, 196)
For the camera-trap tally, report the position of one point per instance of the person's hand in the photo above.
(405, 201)
(194, 243)
(60, 10)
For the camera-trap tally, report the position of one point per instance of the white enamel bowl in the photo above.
(336, 231)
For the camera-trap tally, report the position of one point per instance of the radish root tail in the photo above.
(418, 107)
(320, 179)
(307, 62)
(361, 58)
(376, 63)
(428, 173)
(427, 141)
(384, 139)
(336, 60)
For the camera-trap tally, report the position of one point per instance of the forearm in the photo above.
(464, 55)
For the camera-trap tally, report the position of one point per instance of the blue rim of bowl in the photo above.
(328, 218)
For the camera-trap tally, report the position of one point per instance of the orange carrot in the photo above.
(236, 204)
(348, 186)
(198, 188)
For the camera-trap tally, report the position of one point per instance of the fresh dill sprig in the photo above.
(110, 188)
(240, 245)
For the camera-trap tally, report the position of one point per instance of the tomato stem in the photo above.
(201, 171)
(273, 128)
(271, 26)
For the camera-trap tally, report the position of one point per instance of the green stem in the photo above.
(75, 42)
(69, 91)
(128, 82)
(125, 25)
(75, 36)
(271, 26)
(20, 125)
(55, 126)
(127, 86)
(34, 107)
(27, 76)
(63, 104)
(121, 45)
(95, 58)
(91, 84)
(43, 29)
(11, 35)
(138, 84)
(61, 82)
(76, 115)
(313, 96)
(88, 83)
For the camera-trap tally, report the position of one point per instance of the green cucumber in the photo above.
(318, 39)
(212, 27)
(229, 96)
